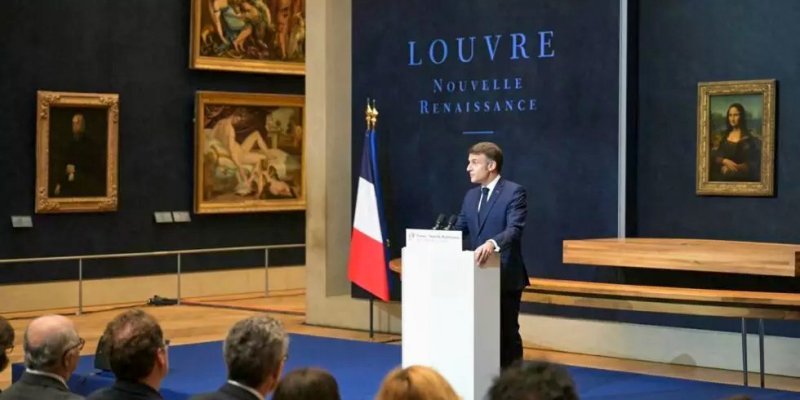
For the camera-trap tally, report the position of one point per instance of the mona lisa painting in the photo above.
(736, 138)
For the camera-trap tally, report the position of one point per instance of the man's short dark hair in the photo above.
(307, 384)
(254, 349)
(491, 151)
(536, 380)
(134, 339)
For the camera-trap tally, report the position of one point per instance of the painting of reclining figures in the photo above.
(249, 152)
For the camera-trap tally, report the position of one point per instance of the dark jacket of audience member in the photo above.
(307, 384)
(52, 349)
(138, 357)
(533, 381)
(254, 350)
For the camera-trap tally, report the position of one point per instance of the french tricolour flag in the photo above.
(367, 266)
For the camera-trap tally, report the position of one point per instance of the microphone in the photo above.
(450, 222)
(439, 222)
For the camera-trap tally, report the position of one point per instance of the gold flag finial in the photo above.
(373, 115)
(368, 115)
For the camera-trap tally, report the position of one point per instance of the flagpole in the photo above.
(371, 317)
(371, 115)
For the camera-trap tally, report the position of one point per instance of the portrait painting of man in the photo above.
(249, 153)
(736, 138)
(249, 35)
(76, 152)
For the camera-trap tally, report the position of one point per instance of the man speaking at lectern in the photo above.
(493, 215)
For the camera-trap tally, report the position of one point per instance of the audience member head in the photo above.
(52, 345)
(255, 351)
(739, 397)
(537, 380)
(415, 382)
(6, 342)
(307, 384)
(136, 348)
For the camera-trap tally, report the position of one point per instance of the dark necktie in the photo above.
(483, 208)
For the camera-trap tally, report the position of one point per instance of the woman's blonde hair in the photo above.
(415, 383)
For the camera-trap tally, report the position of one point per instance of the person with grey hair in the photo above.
(52, 349)
(255, 351)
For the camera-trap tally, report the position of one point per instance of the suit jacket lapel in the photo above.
(493, 196)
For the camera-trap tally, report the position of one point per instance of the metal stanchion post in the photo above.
(80, 286)
(179, 278)
(266, 272)
(761, 348)
(744, 349)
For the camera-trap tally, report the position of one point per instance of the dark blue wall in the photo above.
(681, 43)
(564, 152)
(138, 49)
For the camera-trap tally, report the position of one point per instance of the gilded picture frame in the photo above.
(76, 152)
(249, 152)
(736, 138)
(257, 36)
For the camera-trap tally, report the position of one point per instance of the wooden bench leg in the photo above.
(744, 350)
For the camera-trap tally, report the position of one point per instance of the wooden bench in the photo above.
(752, 258)
(682, 255)
(660, 299)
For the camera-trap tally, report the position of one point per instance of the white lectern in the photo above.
(451, 311)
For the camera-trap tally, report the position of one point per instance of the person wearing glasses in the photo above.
(6, 343)
(52, 349)
(137, 353)
(255, 351)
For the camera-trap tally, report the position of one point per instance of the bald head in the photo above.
(43, 328)
(46, 340)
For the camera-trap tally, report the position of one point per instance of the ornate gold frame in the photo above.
(245, 205)
(45, 203)
(705, 90)
(197, 61)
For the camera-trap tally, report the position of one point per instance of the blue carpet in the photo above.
(359, 368)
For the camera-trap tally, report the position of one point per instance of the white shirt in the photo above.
(490, 186)
(248, 388)
(47, 374)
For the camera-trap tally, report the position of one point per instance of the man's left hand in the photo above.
(482, 253)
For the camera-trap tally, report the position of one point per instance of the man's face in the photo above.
(734, 117)
(479, 168)
(77, 124)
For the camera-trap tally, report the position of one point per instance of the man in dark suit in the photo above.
(493, 216)
(52, 349)
(138, 356)
(255, 351)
